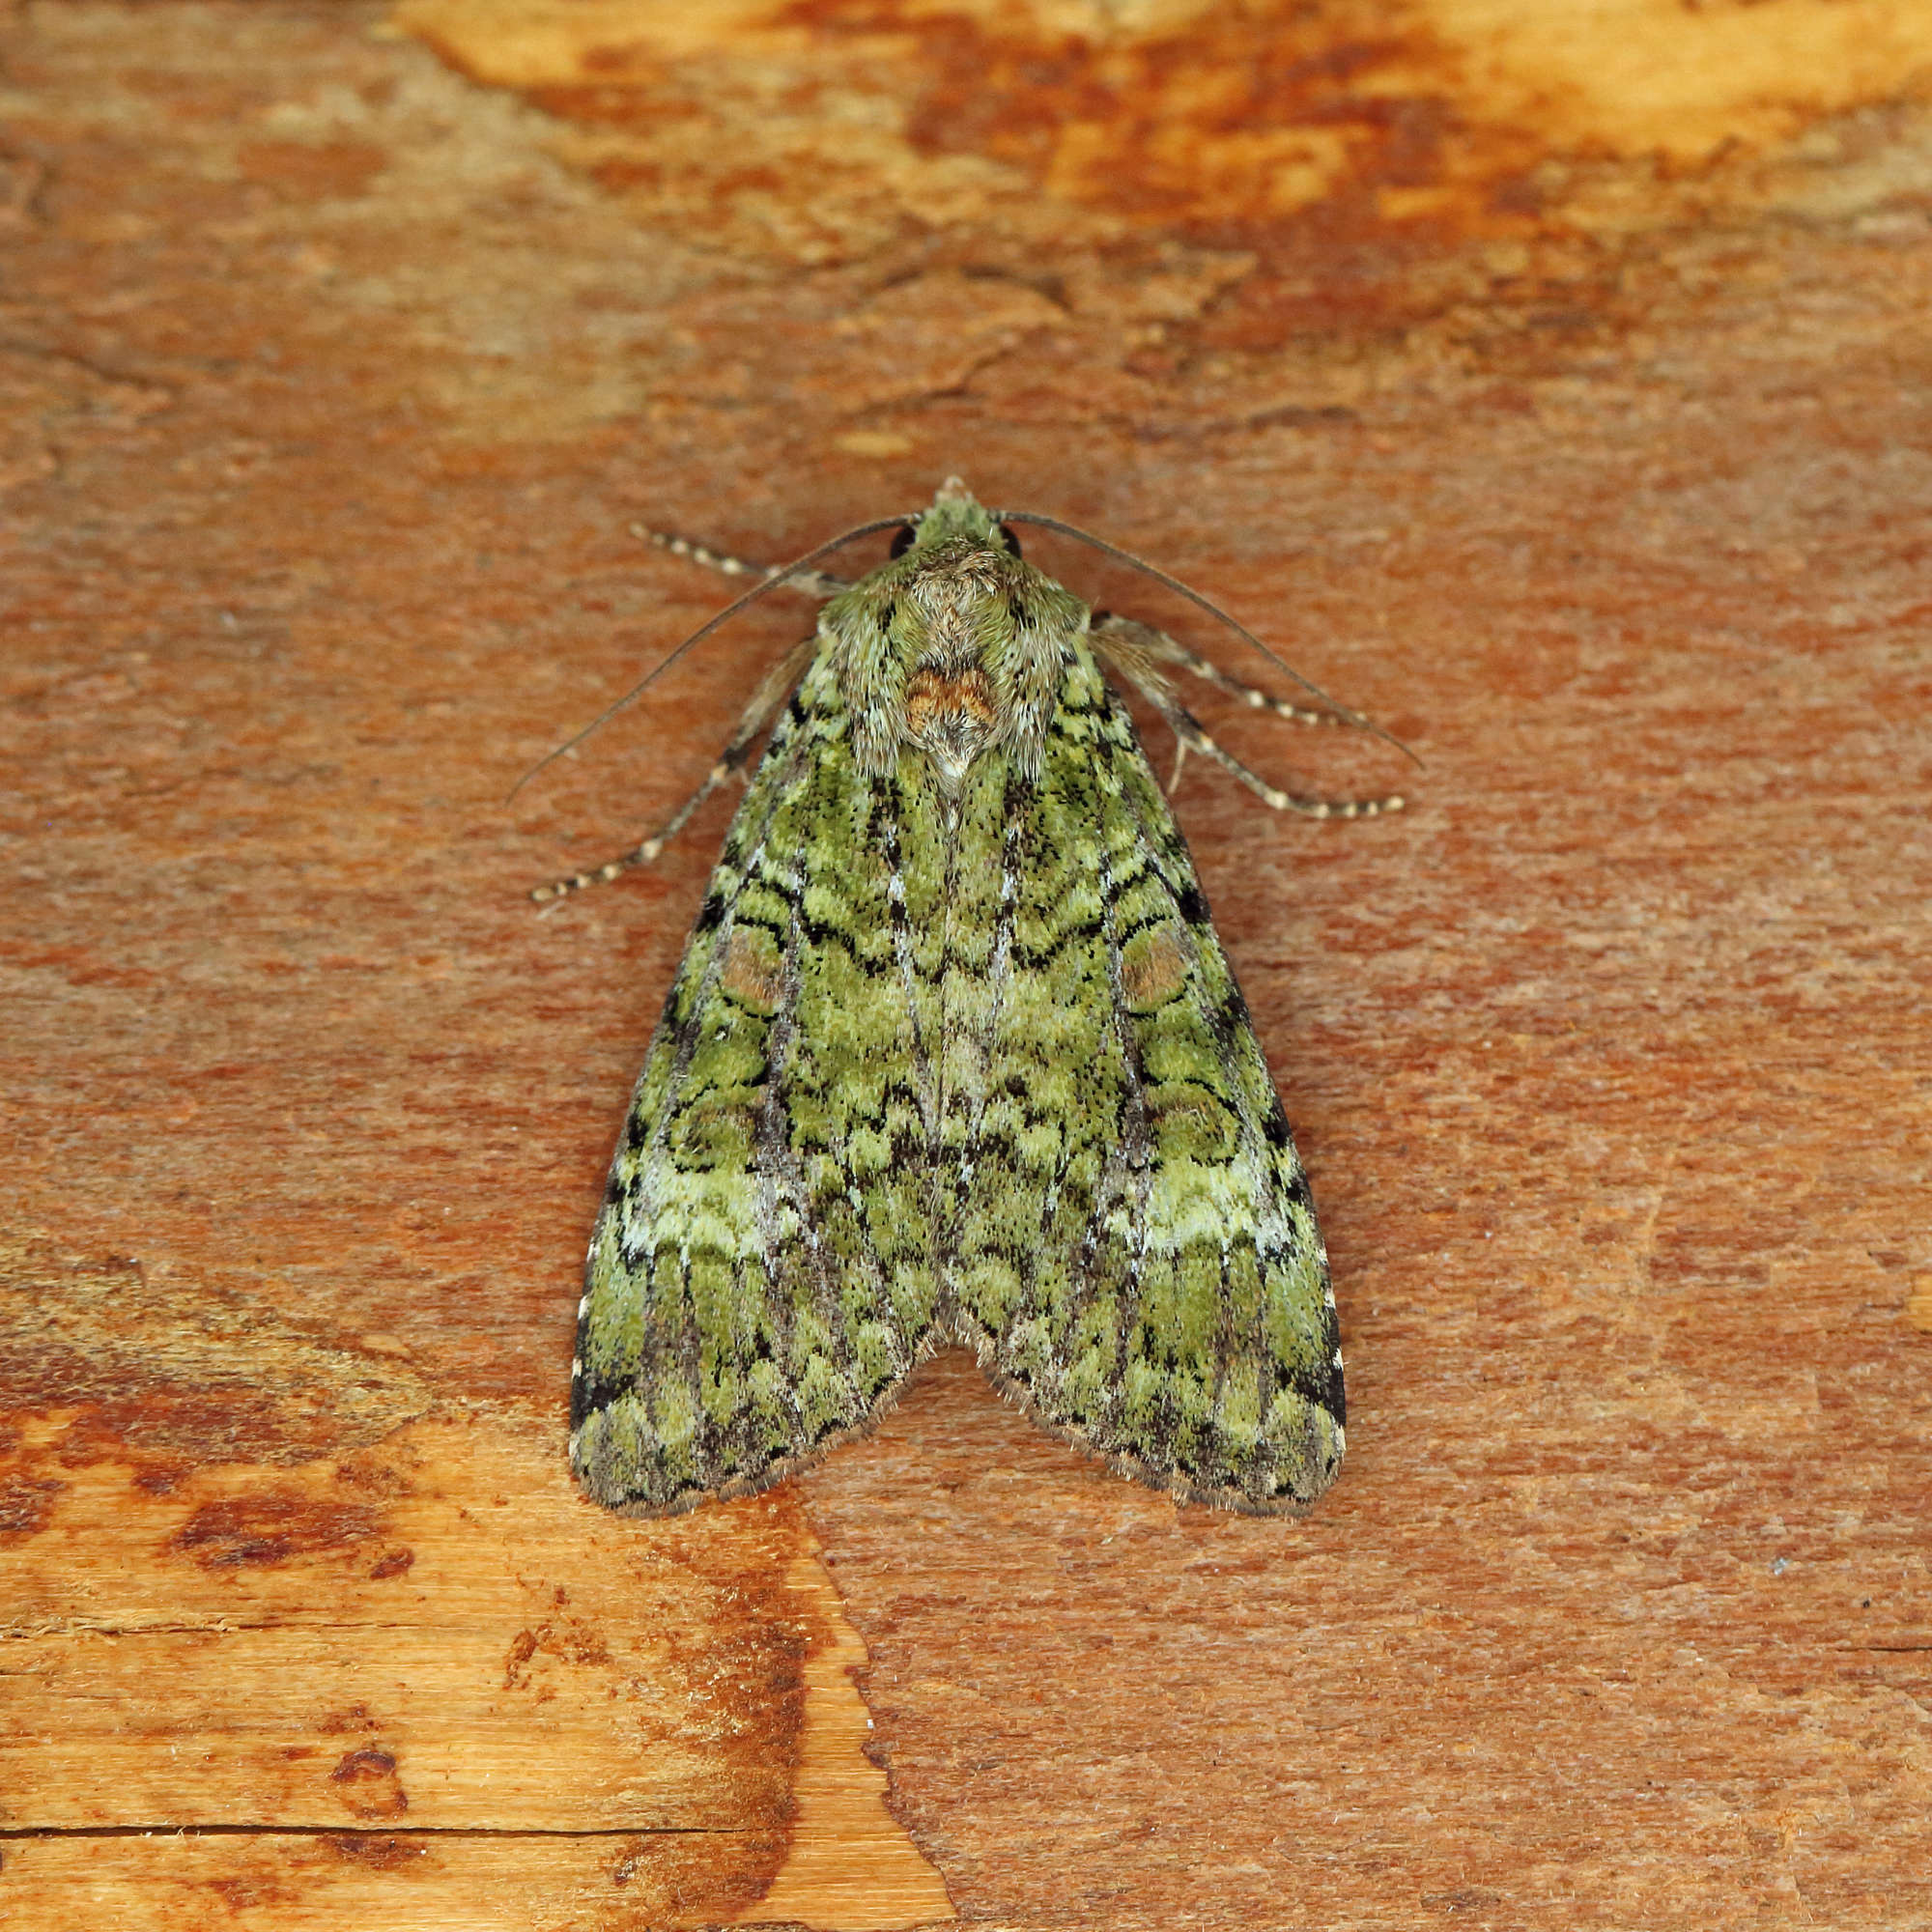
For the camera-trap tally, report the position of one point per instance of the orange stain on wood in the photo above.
(533, 1665)
(1235, 115)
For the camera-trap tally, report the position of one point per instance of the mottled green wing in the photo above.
(973, 1067)
(762, 1272)
(1133, 1245)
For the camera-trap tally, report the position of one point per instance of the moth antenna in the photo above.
(704, 630)
(1193, 596)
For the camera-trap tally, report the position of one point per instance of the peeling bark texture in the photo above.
(1550, 382)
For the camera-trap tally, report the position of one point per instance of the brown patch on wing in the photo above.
(753, 972)
(1153, 968)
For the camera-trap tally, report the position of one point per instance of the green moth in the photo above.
(953, 1055)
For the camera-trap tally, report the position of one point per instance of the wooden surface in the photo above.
(1552, 383)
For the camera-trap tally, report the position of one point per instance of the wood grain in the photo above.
(1576, 425)
(341, 1677)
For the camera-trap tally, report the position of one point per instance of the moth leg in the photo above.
(819, 583)
(773, 690)
(1119, 638)
(1138, 651)
(1179, 763)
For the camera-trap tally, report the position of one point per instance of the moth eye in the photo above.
(902, 539)
(1012, 542)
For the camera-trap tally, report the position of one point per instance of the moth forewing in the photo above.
(954, 1054)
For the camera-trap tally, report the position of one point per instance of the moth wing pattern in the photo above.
(953, 1053)
(743, 1309)
(1136, 1255)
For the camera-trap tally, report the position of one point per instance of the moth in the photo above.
(954, 1055)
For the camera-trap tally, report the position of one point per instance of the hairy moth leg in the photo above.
(1159, 647)
(771, 694)
(1138, 650)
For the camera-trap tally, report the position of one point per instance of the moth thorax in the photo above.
(952, 713)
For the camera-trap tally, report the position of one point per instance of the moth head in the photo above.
(955, 514)
(955, 646)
